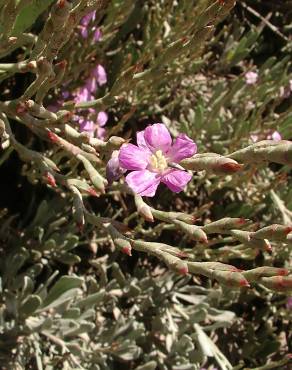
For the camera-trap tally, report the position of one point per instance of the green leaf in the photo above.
(29, 14)
(151, 365)
(30, 305)
(62, 286)
(92, 300)
(69, 259)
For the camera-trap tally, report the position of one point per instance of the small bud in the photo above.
(115, 142)
(244, 283)
(247, 238)
(21, 109)
(51, 180)
(97, 180)
(127, 250)
(113, 169)
(193, 231)
(92, 192)
(235, 279)
(184, 270)
(63, 64)
(12, 40)
(80, 227)
(278, 283)
(61, 3)
(224, 225)
(78, 208)
(211, 162)
(273, 232)
(143, 209)
(265, 271)
(53, 137)
(230, 167)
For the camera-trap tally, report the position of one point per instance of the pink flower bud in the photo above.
(113, 169)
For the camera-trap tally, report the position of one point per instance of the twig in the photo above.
(264, 20)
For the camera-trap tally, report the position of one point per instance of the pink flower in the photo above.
(87, 126)
(92, 128)
(251, 77)
(97, 34)
(85, 23)
(276, 136)
(155, 159)
(254, 138)
(100, 75)
(88, 18)
(83, 94)
(102, 118)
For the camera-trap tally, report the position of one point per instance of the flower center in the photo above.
(158, 162)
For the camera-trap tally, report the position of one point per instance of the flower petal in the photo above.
(176, 180)
(157, 137)
(85, 125)
(133, 158)
(88, 18)
(97, 34)
(141, 141)
(100, 133)
(100, 74)
(276, 136)
(91, 85)
(82, 95)
(102, 118)
(183, 147)
(143, 182)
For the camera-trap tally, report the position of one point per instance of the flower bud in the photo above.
(143, 209)
(265, 271)
(211, 162)
(224, 225)
(113, 169)
(278, 283)
(193, 231)
(273, 232)
(97, 180)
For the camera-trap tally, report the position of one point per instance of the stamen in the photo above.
(158, 162)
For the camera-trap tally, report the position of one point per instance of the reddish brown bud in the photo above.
(283, 272)
(242, 221)
(184, 270)
(282, 283)
(80, 226)
(127, 250)
(21, 108)
(61, 4)
(244, 283)
(50, 179)
(181, 254)
(92, 192)
(231, 167)
(31, 65)
(62, 64)
(268, 246)
(53, 137)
